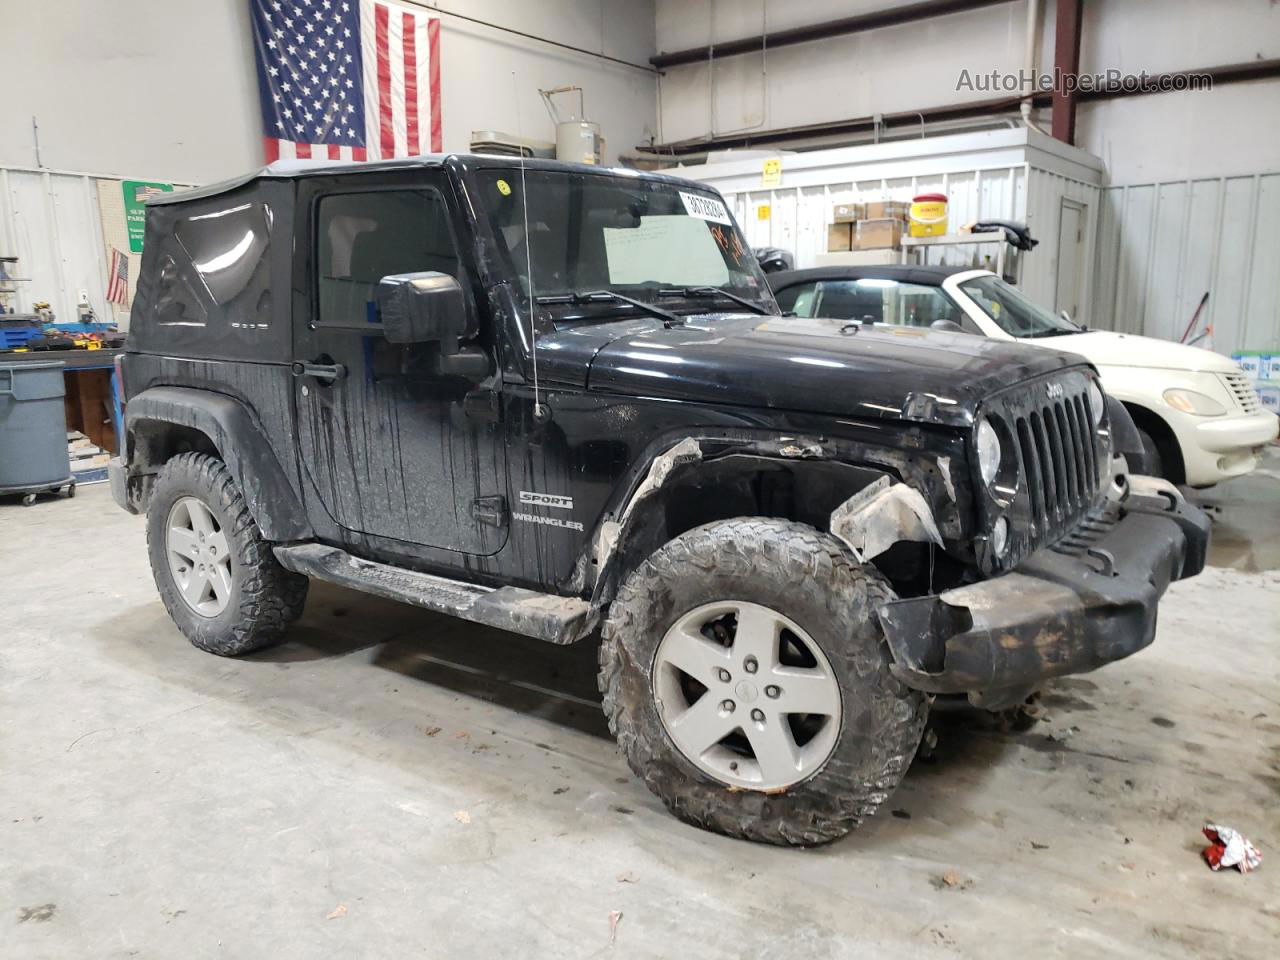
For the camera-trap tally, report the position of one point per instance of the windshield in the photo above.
(636, 237)
(1012, 311)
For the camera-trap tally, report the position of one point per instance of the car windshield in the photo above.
(1012, 311)
(632, 236)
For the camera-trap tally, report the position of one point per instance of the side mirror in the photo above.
(950, 326)
(422, 307)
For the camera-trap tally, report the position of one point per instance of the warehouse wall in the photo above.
(906, 67)
(1194, 177)
(1223, 132)
(167, 91)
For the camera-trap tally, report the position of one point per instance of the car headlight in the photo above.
(988, 451)
(1193, 402)
(1097, 405)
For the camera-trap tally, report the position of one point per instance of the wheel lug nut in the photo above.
(757, 716)
(727, 706)
(724, 676)
(772, 692)
(750, 665)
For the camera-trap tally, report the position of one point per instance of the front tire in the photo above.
(216, 575)
(795, 738)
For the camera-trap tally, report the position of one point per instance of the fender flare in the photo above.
(613, 532)
(242, 445)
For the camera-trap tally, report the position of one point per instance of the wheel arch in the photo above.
(162, 422)
(693, 483)
(1166, 440)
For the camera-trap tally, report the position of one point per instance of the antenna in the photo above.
(539, 413)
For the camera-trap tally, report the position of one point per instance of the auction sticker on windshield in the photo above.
(704, 208)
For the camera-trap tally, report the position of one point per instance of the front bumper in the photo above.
(1219, 448)
(1084, 602)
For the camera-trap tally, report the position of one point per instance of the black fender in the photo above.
(1125, 438)
(240, 442)
(632, 525)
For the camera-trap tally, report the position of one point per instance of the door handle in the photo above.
(321, 371)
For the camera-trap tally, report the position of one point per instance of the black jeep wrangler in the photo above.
(561, 400)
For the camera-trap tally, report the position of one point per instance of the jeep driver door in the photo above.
(385, 437)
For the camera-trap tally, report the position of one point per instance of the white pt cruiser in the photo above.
(1200, 418)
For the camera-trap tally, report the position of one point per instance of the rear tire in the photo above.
(197, 521)
(810, 581)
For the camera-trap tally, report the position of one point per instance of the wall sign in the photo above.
(771, 172)
(136, 193)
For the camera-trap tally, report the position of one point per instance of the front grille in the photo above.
(1057, 460)
(1246, 397)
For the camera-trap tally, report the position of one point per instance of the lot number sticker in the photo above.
(704, 208)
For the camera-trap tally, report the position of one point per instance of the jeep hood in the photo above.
(799, 364)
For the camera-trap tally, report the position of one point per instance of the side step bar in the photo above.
(541, 615)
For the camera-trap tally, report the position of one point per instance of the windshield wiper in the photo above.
(577, 298)
(1051, 333)
(716, 292)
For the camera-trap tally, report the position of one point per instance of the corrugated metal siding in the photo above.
(1014, 174)
(1161, 246)
(798, 216)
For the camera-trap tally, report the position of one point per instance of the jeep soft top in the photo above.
(561, 400)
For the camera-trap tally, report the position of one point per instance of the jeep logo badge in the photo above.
(1055, 391)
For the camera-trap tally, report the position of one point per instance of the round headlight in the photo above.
(988, 451)
(1097, 405)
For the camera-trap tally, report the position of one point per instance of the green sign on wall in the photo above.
(135, 197)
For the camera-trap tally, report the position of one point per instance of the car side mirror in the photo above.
(950, 326)
(422, 308)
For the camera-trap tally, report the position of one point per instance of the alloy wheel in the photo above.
(747, 695)
(199, 560)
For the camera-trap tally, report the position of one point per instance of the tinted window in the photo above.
(363, 237)
(872, 301)
(1013, 312)
(796, 298)
(227, 248)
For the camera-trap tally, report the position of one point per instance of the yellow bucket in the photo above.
(928, 215)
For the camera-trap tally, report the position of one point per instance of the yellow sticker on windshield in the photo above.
(504, 188)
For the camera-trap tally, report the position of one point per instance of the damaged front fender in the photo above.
(882, 514)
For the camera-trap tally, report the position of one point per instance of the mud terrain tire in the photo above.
(812, 579)
(264, 597)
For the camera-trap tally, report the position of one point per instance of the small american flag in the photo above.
(118, 280)
(347, 79)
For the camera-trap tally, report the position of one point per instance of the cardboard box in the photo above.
(874, 234)
(839, 237)
(887, 210)
(848, 212)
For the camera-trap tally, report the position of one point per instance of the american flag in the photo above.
(347, 79)
(118, 279)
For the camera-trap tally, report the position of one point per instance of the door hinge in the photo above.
(490, 510)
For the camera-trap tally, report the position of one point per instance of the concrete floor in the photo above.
(392, 783)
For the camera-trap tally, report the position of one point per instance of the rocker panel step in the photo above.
(541, 615)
